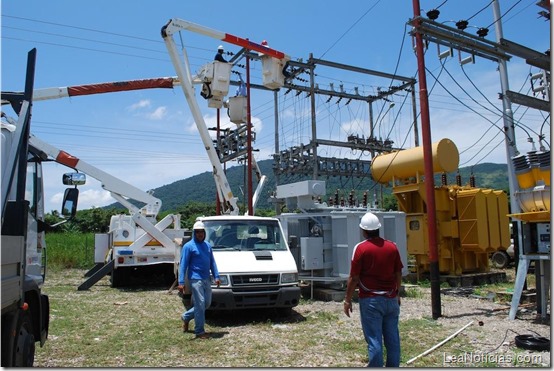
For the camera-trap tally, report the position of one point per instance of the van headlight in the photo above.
(224, 280)
(289, 277)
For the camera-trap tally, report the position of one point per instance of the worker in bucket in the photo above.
(219, 55)
(376, 270)
(197, 260)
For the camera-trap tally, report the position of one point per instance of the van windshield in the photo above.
(248, 235)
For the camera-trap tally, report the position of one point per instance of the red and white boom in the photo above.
(185, 77)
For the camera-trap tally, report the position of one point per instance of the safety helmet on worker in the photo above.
(220, 47)
(370, 222)
(198, 226)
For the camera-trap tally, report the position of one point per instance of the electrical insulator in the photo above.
(472, 181)
(462, 24)
(337, 197)
(330, 201)
(459, 179)
(351, 198)
(342, 201)
(365, 199)
(443, 179)
(433, 14)
(482, 32)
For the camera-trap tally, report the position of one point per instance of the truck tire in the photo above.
(18, 343)
(500, 259)
(119, 277)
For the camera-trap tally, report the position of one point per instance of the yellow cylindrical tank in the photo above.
(409, 162)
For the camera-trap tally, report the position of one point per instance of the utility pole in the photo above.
(510, 141)
(249, 138)
(314, 131)
(277, 145)
(507, 116)
(428, 171)
(416, 131)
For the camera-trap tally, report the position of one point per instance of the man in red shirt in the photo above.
(376, 269)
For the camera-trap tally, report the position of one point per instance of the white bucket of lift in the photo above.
(237, 109)
(272, 71)
(221, 79)
(215, 102)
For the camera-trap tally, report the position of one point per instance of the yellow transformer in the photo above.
(472, 223)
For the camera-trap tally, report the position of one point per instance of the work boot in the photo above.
(185, 326)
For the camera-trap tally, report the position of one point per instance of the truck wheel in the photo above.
(19, 350)
(25, 343)
(169, 276)
(500, 259)
(119, 277)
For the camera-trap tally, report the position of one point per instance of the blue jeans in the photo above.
(201, 299)
(379, 317)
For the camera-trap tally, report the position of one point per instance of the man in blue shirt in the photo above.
(219, 55)
(197, 259)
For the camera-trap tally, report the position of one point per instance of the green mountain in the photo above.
(201, 187)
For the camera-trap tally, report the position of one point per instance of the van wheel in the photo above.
(284, 312)
(500, 259)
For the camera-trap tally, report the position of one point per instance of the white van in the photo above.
(256, 267)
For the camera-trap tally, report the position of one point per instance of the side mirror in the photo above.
(69, 205)
(293, 242)
(74, 179)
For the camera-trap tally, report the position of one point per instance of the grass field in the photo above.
(141, 327)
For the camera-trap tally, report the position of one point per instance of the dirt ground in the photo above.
(489, 335)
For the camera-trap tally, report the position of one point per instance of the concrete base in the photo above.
(324, 294)
(526, 297)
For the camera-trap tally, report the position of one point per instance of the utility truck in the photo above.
(136, 243)
(25, 308)
(256, 267)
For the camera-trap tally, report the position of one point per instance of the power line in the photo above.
(502, 16)
(350, 28)
(84, 39)
(83, 48)
(83, 28)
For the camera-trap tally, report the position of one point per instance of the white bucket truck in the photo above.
(256, 267)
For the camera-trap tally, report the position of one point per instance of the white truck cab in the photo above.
(256, 267)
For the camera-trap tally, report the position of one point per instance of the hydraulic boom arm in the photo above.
(186, 79)
(118, 188)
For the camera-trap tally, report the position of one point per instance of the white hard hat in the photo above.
(220, 47)
(370, 222)
(198, 225)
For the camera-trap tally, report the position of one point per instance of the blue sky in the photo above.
(148, 138)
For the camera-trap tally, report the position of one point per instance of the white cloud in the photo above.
(143, 103)
(94, 198)
(158, 114)
(87, 199)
